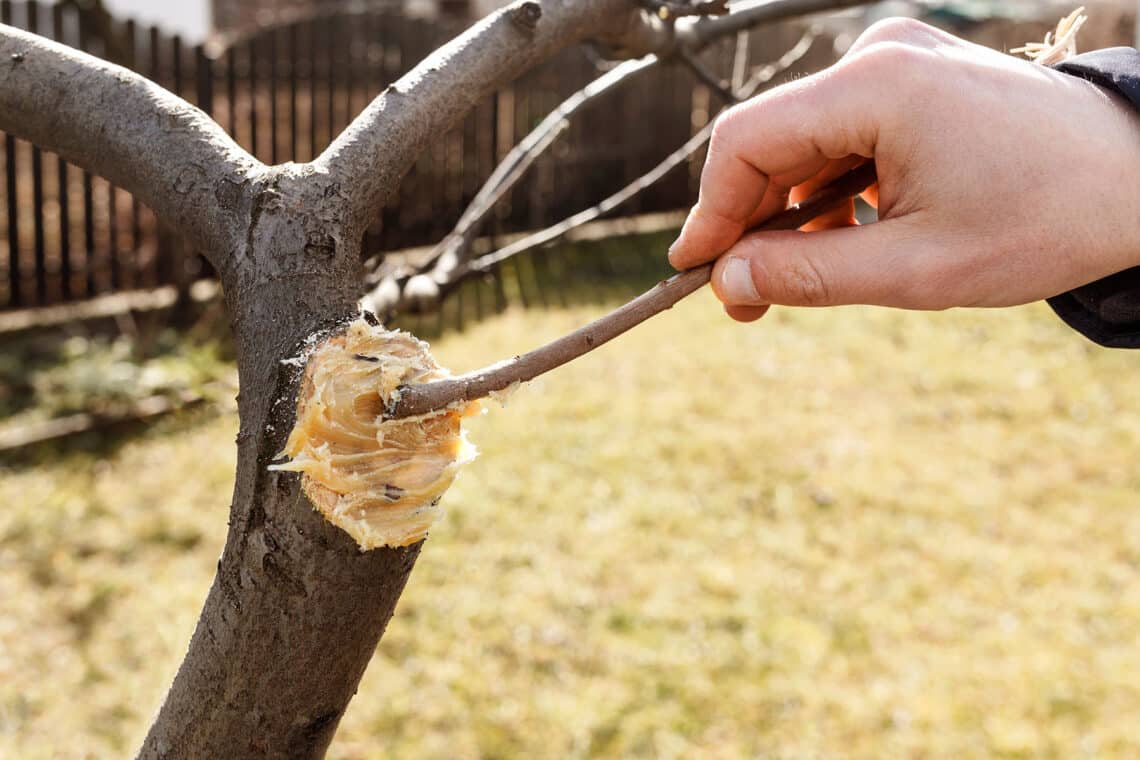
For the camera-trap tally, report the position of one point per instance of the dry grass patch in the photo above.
(841, 533)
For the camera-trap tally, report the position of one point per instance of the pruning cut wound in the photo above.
(379, 480)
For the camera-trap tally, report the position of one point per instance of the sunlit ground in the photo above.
(842, 533)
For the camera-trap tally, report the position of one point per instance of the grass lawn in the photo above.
(838, 533)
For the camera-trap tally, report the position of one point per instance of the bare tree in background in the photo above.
(296, 609)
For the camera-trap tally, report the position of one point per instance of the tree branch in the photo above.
(695, 34)
(379, 146)
(711, 80)
(453, 251)
(449, 262)
(437, 282)
(115, 123)
(421, 399)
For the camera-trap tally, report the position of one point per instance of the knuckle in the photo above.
(728, 125)
(712, 216)
(793, 281)
(808, 283)
(895, 29)
(890, 59)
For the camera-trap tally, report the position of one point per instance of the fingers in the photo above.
(780, 139)
(883, 263)
(746, 313)
(901, 29)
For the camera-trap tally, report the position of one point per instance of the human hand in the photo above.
(1000, 181)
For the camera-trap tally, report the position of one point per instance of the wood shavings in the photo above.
(1059, 44)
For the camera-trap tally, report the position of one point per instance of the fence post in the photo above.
(15, 296)
(273, 132)
(62, 184)
(204, 74)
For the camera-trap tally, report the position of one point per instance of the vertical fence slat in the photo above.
(90, 283)
(62, 182)
(231, 91)
(204, 80)
(333, 52)
(15, 293)
(166, 71)
(177, 73)
(39, 245)
(286, 91)
(349, 37)
(294, 64)
(252, 73)
(273, 73)
(315, 82)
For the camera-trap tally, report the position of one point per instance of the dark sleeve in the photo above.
(1106, 311)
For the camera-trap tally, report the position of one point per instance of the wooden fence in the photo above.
(283, 93)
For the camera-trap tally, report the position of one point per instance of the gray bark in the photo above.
(115, 123)
(379, 146)
(296, 609)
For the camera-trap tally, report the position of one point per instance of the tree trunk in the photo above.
(296, 608)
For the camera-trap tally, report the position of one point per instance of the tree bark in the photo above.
(115, 123)
(379, 146)
(296, 609)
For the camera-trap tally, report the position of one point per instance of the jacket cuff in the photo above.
(1106, 311)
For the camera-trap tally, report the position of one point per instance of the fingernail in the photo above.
(672, 251)
(736, 284)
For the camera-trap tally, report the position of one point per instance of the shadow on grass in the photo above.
(90, 446)
(50, 375)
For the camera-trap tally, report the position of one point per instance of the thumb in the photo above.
(885, 263)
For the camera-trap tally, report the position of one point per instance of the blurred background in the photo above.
(842, 533)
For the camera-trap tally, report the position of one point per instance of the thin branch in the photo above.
(144, 139)
(449, 262)
(711, 80)
(676, 158)
(421, 399)
(666, 9)
(455, 248)
(695, 34)
(381, 144)
(523, 155)
(740, 60)
(552, 233)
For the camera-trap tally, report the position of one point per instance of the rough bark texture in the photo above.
(115, 123)
(377, 149)
(295, 610)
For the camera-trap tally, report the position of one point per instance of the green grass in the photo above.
(54, 374)
(838, 533)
